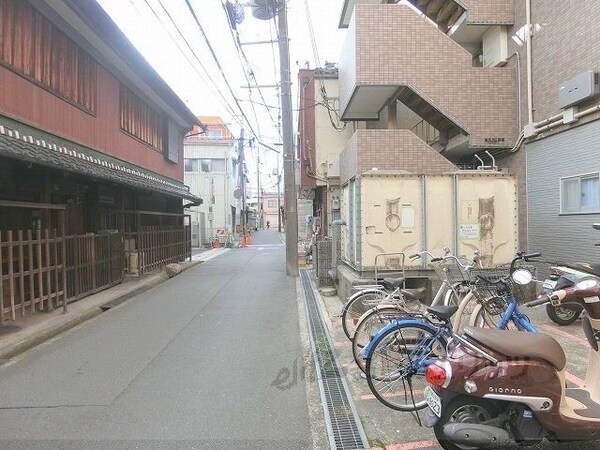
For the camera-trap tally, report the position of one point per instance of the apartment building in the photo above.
(212, 166)
(488, 85)
(91, 157)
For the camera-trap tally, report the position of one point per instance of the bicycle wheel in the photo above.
(396, 365)
(357, 305)
(370, 323)
(454, 295)
(464, 312)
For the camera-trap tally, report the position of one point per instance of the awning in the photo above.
(51, 151)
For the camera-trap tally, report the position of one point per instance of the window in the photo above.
(141, 121)
(33, 47)
(272, 204)
(206, 164)
(580, 194)
(190, 165)
(213, 134)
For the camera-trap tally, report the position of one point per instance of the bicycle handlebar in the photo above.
(523, 256)
(538, 301)
(446, 256)
(420, 255)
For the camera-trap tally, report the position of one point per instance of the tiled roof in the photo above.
(81, 160)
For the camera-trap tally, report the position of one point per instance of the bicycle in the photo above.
(389, 290)
(499, 307)
(449, 292)
(396, 357)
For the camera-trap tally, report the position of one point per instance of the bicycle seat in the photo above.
(517, 344)
(392, 283)
(443, 312)
(414, 294)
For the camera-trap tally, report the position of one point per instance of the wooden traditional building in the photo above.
(91, 157)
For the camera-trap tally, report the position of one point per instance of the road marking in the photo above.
(411, 445)
(389, 395)
(265, 245)
(553, 330)
(209, 254)
(574, 379)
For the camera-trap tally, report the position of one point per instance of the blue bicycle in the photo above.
(397, 355)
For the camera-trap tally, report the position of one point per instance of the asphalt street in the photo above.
(190, 363)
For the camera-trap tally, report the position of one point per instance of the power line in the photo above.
(224, 100)
(242, 55)
(323, 91)
(214, 55)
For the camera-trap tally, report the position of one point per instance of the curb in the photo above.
(59, 324)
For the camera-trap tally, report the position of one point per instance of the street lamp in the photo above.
(266, 10)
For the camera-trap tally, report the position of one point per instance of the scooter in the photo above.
(501, 389)
(568, 313)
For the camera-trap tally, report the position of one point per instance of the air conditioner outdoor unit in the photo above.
(333, 168)
(495, 47)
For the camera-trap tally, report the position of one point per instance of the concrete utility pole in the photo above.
(266, 10)
(289, 156)
(258, 204)
(242, 181)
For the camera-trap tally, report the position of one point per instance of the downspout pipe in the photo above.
(336, 235)
(529, 65)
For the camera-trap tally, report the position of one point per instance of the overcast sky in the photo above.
(185, 62)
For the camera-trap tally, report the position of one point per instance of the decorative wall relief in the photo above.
(392, 218)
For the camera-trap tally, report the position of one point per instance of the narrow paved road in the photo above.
(188, 364)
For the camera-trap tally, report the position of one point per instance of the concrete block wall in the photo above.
(322, 262)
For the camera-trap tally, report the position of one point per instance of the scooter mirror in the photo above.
(522, 276)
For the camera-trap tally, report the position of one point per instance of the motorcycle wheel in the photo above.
(563, 315)
(463, 409)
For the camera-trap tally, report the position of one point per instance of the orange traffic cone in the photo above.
(243, 241)
(248, 239)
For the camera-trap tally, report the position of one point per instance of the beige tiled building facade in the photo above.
(427, 85)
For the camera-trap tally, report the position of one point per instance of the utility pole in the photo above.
(289, 156)
(242, 181)
(258, 208)
(266, 10)
(278, 197)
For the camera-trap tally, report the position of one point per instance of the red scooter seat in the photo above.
(520, 344)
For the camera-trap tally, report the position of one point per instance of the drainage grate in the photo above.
(343, 425)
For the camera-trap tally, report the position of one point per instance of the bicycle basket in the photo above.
(485, 288)
(449, 269)
(495, 306)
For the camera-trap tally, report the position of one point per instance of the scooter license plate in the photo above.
(433, 401)
(549, 284)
